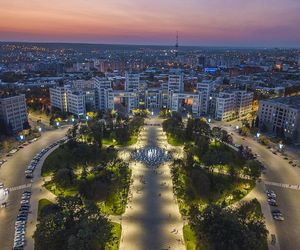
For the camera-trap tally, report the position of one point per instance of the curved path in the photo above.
(152, 220)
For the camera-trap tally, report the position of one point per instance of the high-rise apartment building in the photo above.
(281, 116)
(175, 83)
(132, 82)
(13, 112)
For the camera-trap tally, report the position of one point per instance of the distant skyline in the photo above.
(265, 23)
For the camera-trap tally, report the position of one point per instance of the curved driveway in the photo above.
(12, 175)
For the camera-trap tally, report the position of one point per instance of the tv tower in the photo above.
(176, 45)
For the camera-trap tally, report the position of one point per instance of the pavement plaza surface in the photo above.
(152, 220)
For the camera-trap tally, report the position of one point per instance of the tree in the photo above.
(244, 131)
(64, 177)
(50, 233)
(264, 140)
(252, 169)
(229, 229)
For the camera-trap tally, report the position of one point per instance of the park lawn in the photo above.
(43, 203)
(116, 237)
(173, 141)
(72, 155)
(58, 191)
(190, 239)
(112, 206)
(132, 141)
(108, 141)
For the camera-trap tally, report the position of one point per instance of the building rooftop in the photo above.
(292, 101)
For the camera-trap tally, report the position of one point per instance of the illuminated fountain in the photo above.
(151, 156)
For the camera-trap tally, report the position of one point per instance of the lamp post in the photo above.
(281, 146)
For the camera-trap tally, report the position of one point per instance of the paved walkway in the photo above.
(259, 193)
(152, 220)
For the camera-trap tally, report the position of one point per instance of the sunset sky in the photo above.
(199, 22)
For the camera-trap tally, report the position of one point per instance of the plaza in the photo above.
(152, 219)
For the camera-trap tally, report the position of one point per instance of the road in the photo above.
(152, 219)
(279, 175)
(12, 175)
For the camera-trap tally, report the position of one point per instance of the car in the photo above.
(29, 176)
(271, 192)
(278, 217)
(271, 195)
(2, 162)
(272, 203)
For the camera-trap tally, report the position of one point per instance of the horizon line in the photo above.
(157, 45)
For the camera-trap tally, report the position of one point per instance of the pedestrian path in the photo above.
(20, 187)
(290, 186)
(152, 219)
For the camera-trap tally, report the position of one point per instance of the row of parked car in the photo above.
(276, 213)
(20, 225)
(2, 162)
(30, 169)
(15, 150)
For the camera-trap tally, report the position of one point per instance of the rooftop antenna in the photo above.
(176, 45)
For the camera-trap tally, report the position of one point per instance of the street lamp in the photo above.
(21, 137)
(237, 127)
(209, 120)
(73, 120)
(258, 135)
(280, 146)
(87, 117)
(40, 129)
(57, 124)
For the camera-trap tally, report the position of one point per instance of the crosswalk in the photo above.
(289, 186)
(20, 187)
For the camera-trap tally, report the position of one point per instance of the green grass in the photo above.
(115, 241)
(108, 142)
(43, 203)
(190, 239)
(112, 206)
(172, 141)
(70, 191)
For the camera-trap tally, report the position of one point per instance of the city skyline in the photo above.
(216, 23)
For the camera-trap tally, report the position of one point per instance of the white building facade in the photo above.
(13, 112)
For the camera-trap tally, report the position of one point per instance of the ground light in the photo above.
(258, 135)
(22, 137)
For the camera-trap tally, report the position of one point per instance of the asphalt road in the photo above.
(12, 175)
(279, 171)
